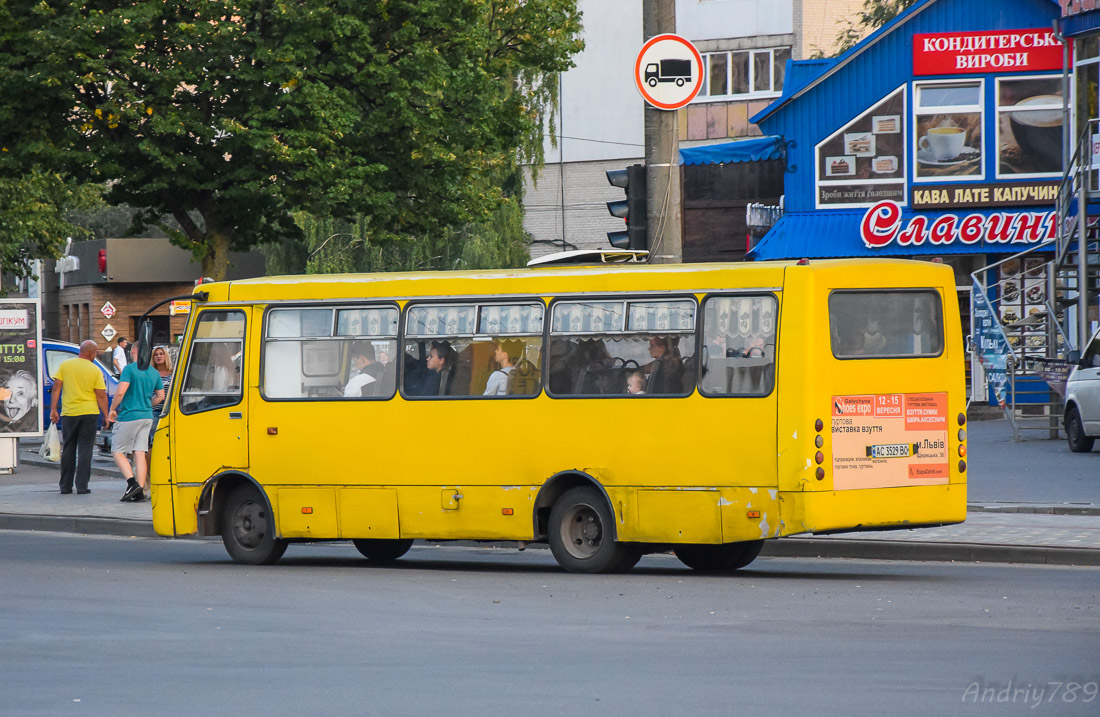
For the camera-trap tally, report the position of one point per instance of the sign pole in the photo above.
(662, 159)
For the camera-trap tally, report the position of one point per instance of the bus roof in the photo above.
(535, 281)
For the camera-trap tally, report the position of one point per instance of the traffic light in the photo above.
(632, 209)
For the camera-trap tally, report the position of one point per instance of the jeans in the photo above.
(78, 434)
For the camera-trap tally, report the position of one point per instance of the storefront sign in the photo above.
(985, 195)
(881, 226)
(954, 53)
(864, 161)
(20, 368)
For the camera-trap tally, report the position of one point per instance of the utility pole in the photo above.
(661, 154)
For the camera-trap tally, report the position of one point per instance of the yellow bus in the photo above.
(609, 411)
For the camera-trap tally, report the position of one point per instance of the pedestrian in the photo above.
(138, 391)
(85, 398)
(162, 362)
(118, 358)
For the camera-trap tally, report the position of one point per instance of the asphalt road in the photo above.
(117, 626)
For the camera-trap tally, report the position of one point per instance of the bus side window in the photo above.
(739, 345)
(213, 374)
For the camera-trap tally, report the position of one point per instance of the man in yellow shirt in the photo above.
(85, 397)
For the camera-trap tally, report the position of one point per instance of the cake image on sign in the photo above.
(885, 165)
(840, 166)
(861, 144)
(886, 124)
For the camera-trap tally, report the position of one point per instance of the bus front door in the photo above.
(210, 425)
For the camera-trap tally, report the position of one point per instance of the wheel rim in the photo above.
(582, 531)
(249, 525)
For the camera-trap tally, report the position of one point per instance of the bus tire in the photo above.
(248, 530)
(718, 558)
(580, 534)
(382, 551)
(1075, 432)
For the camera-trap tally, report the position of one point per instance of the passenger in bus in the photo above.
(439, 362)
(497, 385)
(367, 371)
(664, 370)
(635, 383)
(873, 340)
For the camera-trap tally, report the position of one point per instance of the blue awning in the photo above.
(836, 233)
(743, 150)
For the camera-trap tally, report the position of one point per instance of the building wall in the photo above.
(818, 22)
(715, 19)
(81, 318)
(586, 218)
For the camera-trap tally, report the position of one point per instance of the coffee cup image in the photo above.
(1038, 132)
(944, 143)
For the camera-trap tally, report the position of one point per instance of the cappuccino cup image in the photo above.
(1038, 132)
(944, 143)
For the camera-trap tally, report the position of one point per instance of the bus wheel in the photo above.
(718, 558)
(382, 551)
(248, 531)
(1075, 432)
(580, 534)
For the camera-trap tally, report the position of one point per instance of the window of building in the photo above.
(331, 352)
(948, 128)
(484, 350)
(886, 324)
(622, 348)
(738, 346)
(744, 73)
(214, 369)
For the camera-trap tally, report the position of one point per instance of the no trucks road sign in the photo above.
(668, 72)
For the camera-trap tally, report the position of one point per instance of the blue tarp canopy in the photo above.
(744, 150)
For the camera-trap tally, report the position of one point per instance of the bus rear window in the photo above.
(886, 324)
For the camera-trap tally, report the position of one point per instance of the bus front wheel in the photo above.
(718, 558)
(382, 551)
(580, 534)
(248, 530)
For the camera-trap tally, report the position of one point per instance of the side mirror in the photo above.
(145, 344)
(1074, 357)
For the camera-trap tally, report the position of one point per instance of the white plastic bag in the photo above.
(51, 445)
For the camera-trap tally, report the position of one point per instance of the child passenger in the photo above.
(635, 383)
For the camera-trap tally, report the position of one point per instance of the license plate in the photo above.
(891, 450)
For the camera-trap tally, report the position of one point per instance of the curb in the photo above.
(781, 548)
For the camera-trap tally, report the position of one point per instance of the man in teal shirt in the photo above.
(138, 391)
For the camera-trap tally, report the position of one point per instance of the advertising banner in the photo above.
(20, 368)
(951, 53)
(989, 344)
(889, 440)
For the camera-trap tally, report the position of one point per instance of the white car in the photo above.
(1082, 417)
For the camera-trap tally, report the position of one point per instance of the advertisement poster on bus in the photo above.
(888, 440)
(989, 344)
(20, 369)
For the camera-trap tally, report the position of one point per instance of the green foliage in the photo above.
(33, 224)
(339, 246)
(230, 116)
(874, 15)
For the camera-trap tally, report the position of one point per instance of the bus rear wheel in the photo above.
(382, 551)
(580, 534)
(248, 530)
(718, 558)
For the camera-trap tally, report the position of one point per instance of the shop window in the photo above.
(749, 73)
(1029, 127)
(948, 130)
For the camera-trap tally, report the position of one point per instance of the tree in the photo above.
(874, 15)
(33, 221)
(230, 115)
